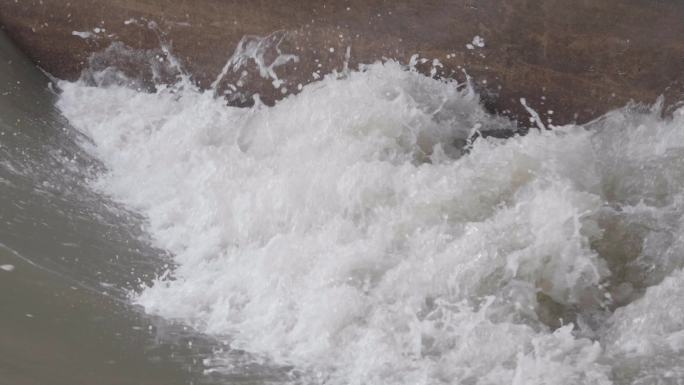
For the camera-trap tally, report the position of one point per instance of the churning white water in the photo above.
(347, 232)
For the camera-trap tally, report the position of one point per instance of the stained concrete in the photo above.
(579, 58)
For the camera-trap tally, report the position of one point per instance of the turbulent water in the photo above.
(354, 234)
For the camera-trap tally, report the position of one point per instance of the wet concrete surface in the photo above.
(578, 59)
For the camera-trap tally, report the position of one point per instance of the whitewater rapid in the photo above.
(353, 232)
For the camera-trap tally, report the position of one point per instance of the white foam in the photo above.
(345, 232)
(478, 41)
(7, 267)
(84, 34)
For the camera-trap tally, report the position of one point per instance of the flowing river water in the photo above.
(364, 231)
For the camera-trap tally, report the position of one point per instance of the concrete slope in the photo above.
(577, 58)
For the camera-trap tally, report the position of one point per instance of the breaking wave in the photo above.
(357, 233)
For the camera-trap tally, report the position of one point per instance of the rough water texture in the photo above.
(353, 232)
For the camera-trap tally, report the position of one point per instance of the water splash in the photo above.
(257, 49)
(347, 231)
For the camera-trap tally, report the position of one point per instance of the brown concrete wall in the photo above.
(579, 58)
